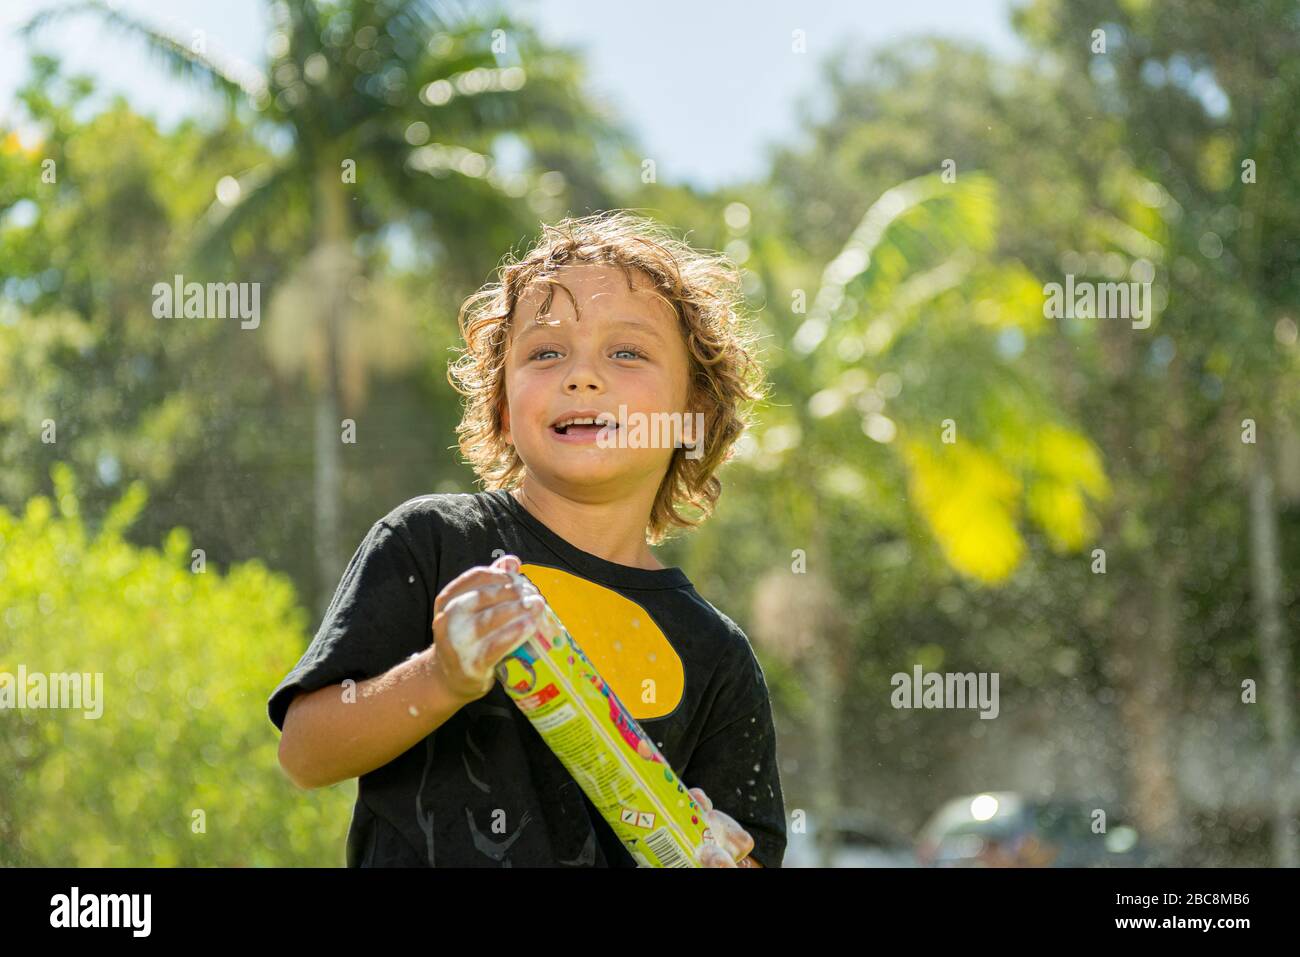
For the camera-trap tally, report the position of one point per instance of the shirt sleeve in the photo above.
(381, 614)
(734, 762)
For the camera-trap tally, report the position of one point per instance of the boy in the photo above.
(451, 772)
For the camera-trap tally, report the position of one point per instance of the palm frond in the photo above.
(231, 76)
(921, 223)
(262, 192)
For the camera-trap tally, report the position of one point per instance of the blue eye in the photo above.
(636, 353)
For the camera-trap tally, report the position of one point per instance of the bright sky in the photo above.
(704, 84)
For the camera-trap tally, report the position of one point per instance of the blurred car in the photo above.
(1005, 829)
(857, 840)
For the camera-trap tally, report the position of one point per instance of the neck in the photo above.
(610, 529)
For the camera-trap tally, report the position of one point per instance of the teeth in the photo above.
(584, 420)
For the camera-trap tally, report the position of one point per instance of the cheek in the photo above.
(522, 397)
(663, 389)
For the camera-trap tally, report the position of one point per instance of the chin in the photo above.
(593, 471)
(575, 474)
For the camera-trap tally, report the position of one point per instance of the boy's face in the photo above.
(626, 349)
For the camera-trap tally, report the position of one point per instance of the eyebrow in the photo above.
(638, 324)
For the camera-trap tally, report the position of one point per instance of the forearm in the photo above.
(329, 738)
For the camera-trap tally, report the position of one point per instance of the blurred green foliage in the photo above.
(180, 769)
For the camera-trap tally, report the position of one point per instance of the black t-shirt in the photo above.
(484, 790)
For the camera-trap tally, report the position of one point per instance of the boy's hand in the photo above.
(732, 842)
(478, 619)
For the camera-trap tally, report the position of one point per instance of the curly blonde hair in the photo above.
(704, 291)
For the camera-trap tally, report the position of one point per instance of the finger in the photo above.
(488, 620)
(729, 835)
(495, 645)
(467, 626)
(702, 798)
(488, 610)
(474, 579)
(463, 605)
(710, 855)
(507, 563)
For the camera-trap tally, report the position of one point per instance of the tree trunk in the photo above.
(827, 677)
(797, 618)
(828, 695)
(335, 237)
(1143, 647)
(1144, 624)
(327, 494)
(1274, 655)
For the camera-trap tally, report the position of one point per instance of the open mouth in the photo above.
(577, 425)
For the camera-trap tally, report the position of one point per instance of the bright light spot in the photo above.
(810, 335)
(879, 428)
(436, 93)
(1142, 270)
(736, 216)
(738, 250)
(854, 381)
(417, 134)
(826, 402)
(316, 68)
(228, 191)
(472, 81)
(1121, 839)
(551, 183)
(779, 438)
(22, 213)
(984, 807)
(850, 348)
(277, 45)
(513, 78)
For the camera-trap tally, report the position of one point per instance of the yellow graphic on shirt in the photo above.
(619, 637)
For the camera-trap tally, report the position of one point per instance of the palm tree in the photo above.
(917, 321)
(391, 109)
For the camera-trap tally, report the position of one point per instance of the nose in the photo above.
(582, 377)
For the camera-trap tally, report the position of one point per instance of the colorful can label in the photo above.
(598, 741)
